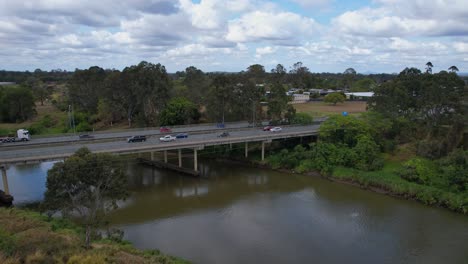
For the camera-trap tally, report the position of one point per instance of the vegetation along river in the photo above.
(248, 215)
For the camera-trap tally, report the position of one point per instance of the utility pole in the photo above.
(71, 118)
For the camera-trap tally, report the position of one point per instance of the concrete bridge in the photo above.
(24, 153)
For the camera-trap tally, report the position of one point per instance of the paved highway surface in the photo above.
(102, 135)
(44, 152)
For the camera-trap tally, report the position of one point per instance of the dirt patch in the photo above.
(321, 108)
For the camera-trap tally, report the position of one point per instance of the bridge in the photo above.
(197, 140)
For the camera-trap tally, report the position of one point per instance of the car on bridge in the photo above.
(182, 135)
(136, 139)
(224, 134)
(276, 129)
(167, 138)
(85, 136)
(267, 128)
(165, 130)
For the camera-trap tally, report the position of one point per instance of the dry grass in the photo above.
(42, 110)
(318, 109)
(27, 237)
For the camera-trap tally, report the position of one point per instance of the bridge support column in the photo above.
(5, 181)
(230, 146)
(263, 150)
(180, 157)
(246, 149)
(152, 155)
(165, 156)
(195, 160)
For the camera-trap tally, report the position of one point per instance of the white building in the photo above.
(359, 95)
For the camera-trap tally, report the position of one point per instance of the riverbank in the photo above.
(384, 181)
(29, 237)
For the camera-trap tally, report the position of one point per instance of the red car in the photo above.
(267, 128)
(165, 130)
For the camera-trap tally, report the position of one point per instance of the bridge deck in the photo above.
(45, 152)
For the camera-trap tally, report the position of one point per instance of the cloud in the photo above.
(230, 35)
(259, 52)
(212, 14)
(398, 18)
(312, 3)
(284, 28)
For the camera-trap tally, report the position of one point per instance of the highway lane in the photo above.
(152, 143)
(116, 135)
(102, 135)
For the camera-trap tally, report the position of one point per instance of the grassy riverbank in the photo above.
(28, 237)
(388, 181)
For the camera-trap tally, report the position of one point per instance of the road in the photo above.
(50, 152)
(106, 135)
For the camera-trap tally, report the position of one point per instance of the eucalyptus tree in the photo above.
(429, 67)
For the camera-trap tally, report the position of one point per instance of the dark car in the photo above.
(136, 139)
(220, 125)
(85, 136)
(182, 135)
(224, 134)
(165, 130)
(267, 128)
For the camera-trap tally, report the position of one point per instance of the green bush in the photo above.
(302, 119)
(83, 127)
(7, 243)
(367, 154)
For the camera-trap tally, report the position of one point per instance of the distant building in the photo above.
(7, 83)
(359, 95)
(300, 98)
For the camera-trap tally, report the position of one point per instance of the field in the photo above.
(318, 109)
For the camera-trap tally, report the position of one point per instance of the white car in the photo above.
(276, 129)
(167, 138)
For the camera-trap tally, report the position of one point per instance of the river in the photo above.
(239, 214)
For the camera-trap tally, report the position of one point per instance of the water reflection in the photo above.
(27, 182)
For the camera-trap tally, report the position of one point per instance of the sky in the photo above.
(216, 35)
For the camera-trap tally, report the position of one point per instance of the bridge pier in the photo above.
(180, 157)
(165, 156)
(195, 160)
(5, 181)
(152, 155)
(246, 149)
(263, 150)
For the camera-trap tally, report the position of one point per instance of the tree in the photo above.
(141, 91)
(299, 75)
(343, 129)
(85, 88)
(41, 91)
(197, 85)
(277, 101)
(334, 98)
(429, 67)
(16, 104)
(86, 184)
(220, 96)
(256, 73)
(431, 106)
(453, 69)
(349, 75)
(363, 85)
(350, 71)
(179, 111)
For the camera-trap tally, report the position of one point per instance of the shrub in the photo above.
(367, 154)
(302, 119)
(7, 243)
(334, 98)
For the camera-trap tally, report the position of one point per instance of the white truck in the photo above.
(21, 135)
